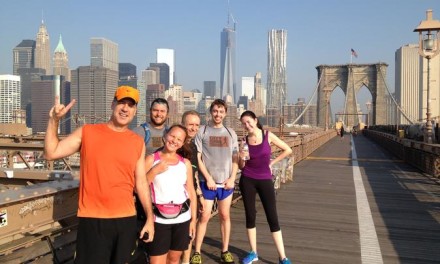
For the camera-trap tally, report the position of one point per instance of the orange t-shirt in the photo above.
(108, 162)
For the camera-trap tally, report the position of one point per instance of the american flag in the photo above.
(353, 52)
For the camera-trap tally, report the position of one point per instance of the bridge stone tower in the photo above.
(351, 78)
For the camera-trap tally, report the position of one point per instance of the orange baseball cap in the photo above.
(127, 92)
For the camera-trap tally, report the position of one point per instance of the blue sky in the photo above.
(319, 32)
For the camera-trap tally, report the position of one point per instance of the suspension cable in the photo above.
(310, 101)
(395, 102)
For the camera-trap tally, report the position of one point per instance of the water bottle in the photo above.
(245, 150)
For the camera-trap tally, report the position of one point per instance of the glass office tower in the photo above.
(276, 68)
(227, 64)
(104, 53)
(167, 56)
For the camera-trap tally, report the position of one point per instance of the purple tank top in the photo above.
(257, 167)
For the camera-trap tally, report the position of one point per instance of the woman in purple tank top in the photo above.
(256, 177)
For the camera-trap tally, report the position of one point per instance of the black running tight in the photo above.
(249, 188)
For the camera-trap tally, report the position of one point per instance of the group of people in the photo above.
(175, 174)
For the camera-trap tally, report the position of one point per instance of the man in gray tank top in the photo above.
(217, 152)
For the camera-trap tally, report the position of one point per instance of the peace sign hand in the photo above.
(58, 111)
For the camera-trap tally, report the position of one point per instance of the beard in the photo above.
(157, 123)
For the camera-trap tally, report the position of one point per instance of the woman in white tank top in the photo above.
(173, 196)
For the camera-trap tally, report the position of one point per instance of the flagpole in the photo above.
(351, 57)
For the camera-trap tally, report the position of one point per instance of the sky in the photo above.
(318, 32)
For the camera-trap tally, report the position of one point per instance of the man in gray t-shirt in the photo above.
(152, 132)
(217, 148)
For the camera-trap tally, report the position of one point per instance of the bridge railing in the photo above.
(302, 146)
(415, 131)
(423, 156)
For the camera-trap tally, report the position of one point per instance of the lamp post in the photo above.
(429, 47)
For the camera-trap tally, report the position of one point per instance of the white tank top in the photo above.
(170, 187)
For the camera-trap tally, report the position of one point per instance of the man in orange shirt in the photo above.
(112, 165)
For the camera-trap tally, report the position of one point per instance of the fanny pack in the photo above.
(170, 210)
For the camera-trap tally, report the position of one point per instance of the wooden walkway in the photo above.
(345, 205)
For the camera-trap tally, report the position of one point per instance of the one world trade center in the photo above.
(227, 63)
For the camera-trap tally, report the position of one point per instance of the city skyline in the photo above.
(374, 29)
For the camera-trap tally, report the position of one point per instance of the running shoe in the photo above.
(196, 258)
(251, 257)
(285, 261)
(226, 257)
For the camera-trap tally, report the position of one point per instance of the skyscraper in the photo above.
(227, 63)
(164, 73)
(411, 84)
(43, 92)
(151, 75)
(24, 55)
(61, 61)
(209, 88)
(148, 76)
(24, 65)
(243, 101)
(104, 53)
(94, 88)
(9, 97)
(276, 68)
(174, 96)
(407, 80)
(42, 50)
(127, 75)
(248, 87)
(260, 96)
(167, 56)
(27, 75)
(191, 99)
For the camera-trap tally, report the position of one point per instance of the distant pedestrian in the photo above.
(256, 177)
(342, 131)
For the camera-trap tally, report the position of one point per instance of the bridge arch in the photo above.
(351, 78)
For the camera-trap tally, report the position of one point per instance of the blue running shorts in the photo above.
(221, 193)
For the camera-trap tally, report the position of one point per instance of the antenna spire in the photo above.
(229, 13)
(230, 16)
